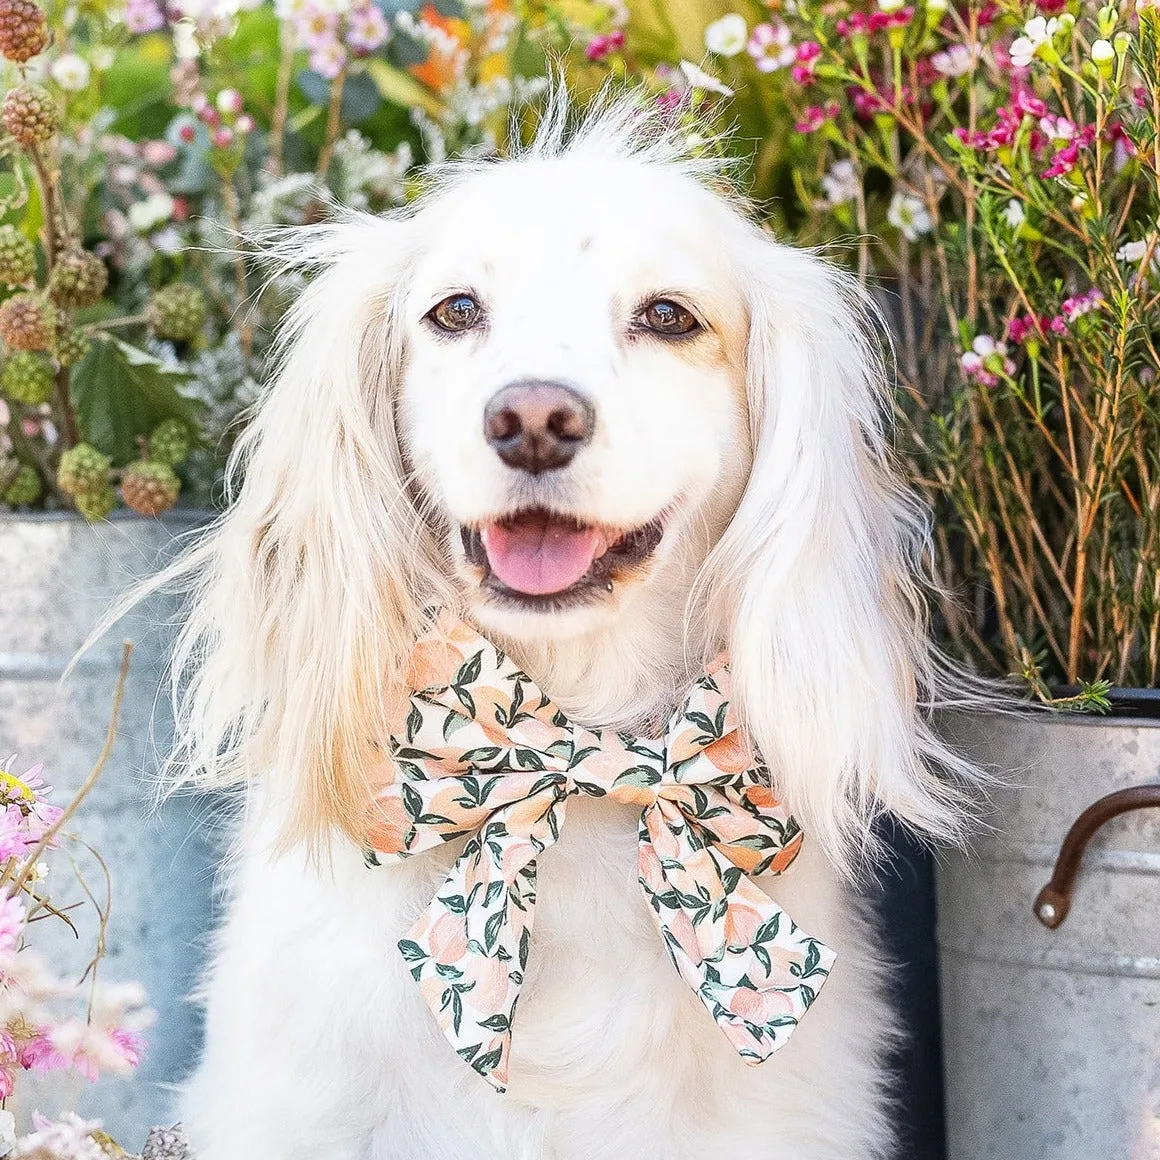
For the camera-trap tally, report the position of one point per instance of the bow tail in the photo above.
(469, 949)
(753, 968)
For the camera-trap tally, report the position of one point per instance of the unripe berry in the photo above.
(27, 378)
(26, 322)
(23, 30)
(30, 114)
(149, 488)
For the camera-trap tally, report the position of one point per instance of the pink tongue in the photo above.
(537, 556)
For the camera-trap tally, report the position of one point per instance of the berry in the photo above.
(96, 505)
(71, 346)
(78, 277)
(17, 255)
(27, 378)
(26, 322)
(178, 312)
(149, 488)
(166, 1144)
(30, 114)
(83, 471)
(169, 442)
(24, 488)
(23, 30)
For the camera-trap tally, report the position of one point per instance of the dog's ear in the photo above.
(815, 578)
(307, 595)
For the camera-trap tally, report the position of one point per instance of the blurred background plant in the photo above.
(988, 167)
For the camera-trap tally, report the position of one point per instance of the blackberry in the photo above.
(24, 488)
(17, 255)
(26, 322)
(149, 488)
(78, 278)
(178, 312)
(23, 29)
(83, 471)
(169, 442)
(27, 377)
(30, 114)
(71, 346)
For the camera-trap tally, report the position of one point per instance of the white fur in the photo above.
(788, 541)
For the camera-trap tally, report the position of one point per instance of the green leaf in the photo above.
(401, 88)
(121, 393)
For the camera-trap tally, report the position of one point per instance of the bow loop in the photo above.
(479, 752)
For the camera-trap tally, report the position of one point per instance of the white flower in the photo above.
(1132, 251)
(71, 72)
(102, 57)
(1102, 52)
(727, 36)
(937, 6)
(891, 5)
(185, 42)
(909, 216)
(953, 61)
(1036, 33)
(697, 78)
(7, 1132)
(151, 212)
(842, 183)
(1014, 214)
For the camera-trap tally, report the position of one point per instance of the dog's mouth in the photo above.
(536, 556)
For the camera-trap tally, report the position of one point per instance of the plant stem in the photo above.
(333, 121)
(281, 99)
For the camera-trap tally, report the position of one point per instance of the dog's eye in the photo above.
(666, 317)
(459, 312)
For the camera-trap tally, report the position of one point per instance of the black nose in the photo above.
(536, 426)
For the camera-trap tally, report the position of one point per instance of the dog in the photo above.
(578, 400)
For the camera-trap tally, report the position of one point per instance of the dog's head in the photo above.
(577, 396)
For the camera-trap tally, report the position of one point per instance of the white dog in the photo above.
(580, 401)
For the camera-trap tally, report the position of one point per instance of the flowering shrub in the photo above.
(49, 1023)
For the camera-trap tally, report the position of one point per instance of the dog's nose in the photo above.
(538, 427)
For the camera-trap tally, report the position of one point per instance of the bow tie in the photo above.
(481, 753)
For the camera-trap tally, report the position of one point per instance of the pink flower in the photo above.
(143, 16)
(327, 59)
(601, 46)
(1081, 304)
(12, 916)
(367, 29)
(771, 46)
(1022, 327)
(815, 116)
(1057, 128)
(222, 137)
(1063, 162)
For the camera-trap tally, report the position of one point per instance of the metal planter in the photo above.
(1052, 1036)
(60, 574)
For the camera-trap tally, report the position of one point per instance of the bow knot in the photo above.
(481, 753)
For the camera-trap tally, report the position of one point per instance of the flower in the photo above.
(726, 37)
(71, 72)
(1103, 56)
(1079, 305)
(1014, 214)
(770, 45)
(842, 183)
(908, 214)
(985, 360)
(1037, 32)
(367, 29)
(601, 46)
(1132, 251)
(327, 59)
(150, 213)
(815, 116)
(953, 61)
(1057, 128)
(697, 78)
(12, 917)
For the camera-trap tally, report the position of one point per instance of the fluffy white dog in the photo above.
(580, 400)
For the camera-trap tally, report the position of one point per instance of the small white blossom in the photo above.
(102, 57)
(1132, 251)
(1036, 33)
(842, 183)
(71, 72)
(151, 212)
(1102, 54)
(697, 78)
(953, 61)
(909, 216)
(1014, 214)
(727, 36)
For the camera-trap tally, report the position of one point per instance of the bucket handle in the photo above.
(1054, 901)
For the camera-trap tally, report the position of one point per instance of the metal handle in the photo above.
(1054, 901)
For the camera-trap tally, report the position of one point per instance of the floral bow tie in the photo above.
(483, 754)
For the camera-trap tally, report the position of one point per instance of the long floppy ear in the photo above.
(814, 584)
(306, 596)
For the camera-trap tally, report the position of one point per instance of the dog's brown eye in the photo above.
(459, 312)
(665, 317)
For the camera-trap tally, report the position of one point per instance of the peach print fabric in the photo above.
(481, 753)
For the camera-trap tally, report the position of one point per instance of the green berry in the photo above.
(30, 114)
(83, 471)
(78, 278)
(24, 488)
(96, 505)
(169, 442)
(17, 257)
(149, 488)
(178, 312)
(26, 322)
(71, 346)
(27, 378)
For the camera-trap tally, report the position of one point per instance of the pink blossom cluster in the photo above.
(334, 30)
(864, 23)
(141, 16)
(1008, 121)
(601, 46)
(986, 359)
(1024, 327)
(224, 116)
(815, 116)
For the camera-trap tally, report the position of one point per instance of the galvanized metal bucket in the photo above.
(1051, 1028)
(60, 575)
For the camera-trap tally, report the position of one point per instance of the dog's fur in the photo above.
(787, 540)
